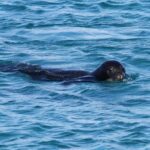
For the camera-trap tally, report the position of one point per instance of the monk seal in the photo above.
(111, 70)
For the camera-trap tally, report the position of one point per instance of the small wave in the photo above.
(12, 7)
(118, 4)
(131, 77)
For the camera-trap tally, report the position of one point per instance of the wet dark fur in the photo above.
(109, 70)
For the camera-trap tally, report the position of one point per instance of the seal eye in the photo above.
(111, 69)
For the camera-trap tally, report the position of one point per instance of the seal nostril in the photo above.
(120, 77)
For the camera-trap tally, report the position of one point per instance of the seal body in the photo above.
(109, 70)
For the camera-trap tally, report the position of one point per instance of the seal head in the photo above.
(110, 70)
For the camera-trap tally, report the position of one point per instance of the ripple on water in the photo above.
(80, 35)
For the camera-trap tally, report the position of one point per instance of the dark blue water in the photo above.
(75, 34)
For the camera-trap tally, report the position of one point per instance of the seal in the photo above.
(108, 71)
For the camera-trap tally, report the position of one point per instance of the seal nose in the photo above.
(121, 76)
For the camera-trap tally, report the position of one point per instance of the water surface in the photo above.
(75, 34)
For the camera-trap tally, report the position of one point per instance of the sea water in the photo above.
(75, 34)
